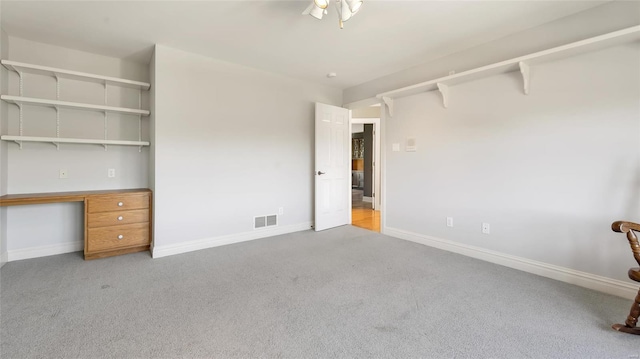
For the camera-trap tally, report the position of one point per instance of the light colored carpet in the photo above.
(341, 293)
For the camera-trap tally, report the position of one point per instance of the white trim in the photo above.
(190, 246)
(567, 275)
(44, 251)
(367, 199)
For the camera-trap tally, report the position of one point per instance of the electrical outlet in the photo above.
(449, 221)
(281, 210)
(64, 173)
(486, 228)
(111, 172)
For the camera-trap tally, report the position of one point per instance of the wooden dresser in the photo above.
(115, 221)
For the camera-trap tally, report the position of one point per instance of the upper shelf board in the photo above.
(592, 44)
(75, 75)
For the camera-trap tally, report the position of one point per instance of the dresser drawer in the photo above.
(114, 237)
(104, 219)
(117, 203)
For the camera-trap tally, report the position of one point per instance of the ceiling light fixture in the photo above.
(345, 8)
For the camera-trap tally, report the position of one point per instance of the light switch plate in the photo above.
(395, 147)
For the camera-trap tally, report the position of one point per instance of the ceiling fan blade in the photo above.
(308, 10)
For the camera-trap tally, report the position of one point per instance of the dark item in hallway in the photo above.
(629, 228)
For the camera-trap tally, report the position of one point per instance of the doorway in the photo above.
(365, 178)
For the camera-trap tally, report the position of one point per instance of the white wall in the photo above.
(549, 171)
(36, 167)
(231, 143)
(606, 18)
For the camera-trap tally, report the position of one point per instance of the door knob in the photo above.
(320, 173)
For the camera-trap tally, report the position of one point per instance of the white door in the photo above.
(332, 168)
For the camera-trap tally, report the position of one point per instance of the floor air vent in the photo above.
(265, 221)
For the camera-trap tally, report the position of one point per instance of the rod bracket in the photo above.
(389, 102)
(444, 91)
(525, 70)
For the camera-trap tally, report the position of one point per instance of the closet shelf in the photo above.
(73, 140)
(75, 75)
(18, 100)
(521, 64)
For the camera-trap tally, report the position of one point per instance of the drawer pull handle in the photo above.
(120, 204)
(120, 236)
(120, 218)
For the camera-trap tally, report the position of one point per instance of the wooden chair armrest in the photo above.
(624, 227)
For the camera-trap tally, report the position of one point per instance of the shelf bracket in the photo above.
(57, 126)
(526, 75)
(21, 82)
(20, 124)
(57, 145)
(444, 90)
(57, 86)
(105, 126)
(389, 102)
(105, 147)
(19, 143)
(140, 119)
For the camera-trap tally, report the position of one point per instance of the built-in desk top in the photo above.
(58, 197)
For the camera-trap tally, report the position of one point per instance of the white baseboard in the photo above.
(367, 199)
(44, 251)
(190, 246)
(567, 275)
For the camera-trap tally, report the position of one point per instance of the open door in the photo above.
(332, 167)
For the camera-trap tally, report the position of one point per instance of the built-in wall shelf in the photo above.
(522, 64)
(57, 140)
(75, 75)
(59, 74)
(19, 100)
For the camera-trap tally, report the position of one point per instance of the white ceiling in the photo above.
(385, 37)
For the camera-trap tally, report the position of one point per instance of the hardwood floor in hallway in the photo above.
(366, 218)
(362, 214)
